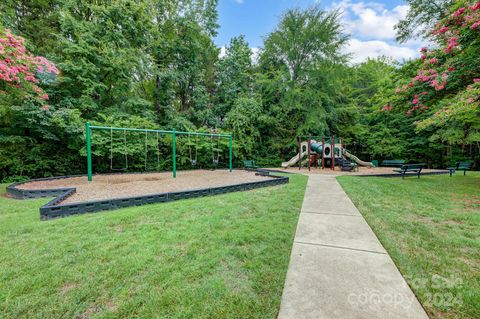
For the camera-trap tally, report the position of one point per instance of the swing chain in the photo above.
(215, 160)
(125, 149)
(193, 161)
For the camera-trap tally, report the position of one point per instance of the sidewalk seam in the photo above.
(340, 247)
(307, 212)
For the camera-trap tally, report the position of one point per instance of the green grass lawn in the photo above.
(217, 257)
(431, 228)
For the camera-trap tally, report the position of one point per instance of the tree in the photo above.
(420, 18)
(35, 20)
(20, 71)
(303, 38)
(443, 94)
(235, 76)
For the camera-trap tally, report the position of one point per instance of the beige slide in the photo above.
(357, 160)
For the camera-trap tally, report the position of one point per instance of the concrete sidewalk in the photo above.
(338, 268)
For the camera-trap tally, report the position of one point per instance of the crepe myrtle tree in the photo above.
(443, 98)
(452, 67)
(20, 70)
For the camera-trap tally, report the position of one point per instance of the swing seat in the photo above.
(193, 162)
(215, 162)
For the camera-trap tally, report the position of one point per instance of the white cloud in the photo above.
(361, 50)
(254, 57)
(239, 1)
(371, 26)
(370, 20)
(223, 52)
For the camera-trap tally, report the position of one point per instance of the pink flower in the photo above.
(44, 96)
(387, 108)
(424, 93)
(475, 6)
(452, 43)
(442, 30)
(477, 80)
(423, 57)
(459, 12)
(433, 60)
(475, 25)
(45, 107)
(424, 49)
(31, 78)
(415, 101)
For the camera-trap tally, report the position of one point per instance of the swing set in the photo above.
(174, 134)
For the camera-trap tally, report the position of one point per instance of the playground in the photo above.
(282, 220)
(220, 159)
(127, 185)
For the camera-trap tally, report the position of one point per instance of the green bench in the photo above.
(461, 166)
(392, 163)
(407, 168)
(249, 164)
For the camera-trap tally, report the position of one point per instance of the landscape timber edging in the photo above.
(53, 209)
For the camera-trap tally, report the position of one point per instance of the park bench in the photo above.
(461, 166)
(407, 168)
(392, 163)
(249, 164)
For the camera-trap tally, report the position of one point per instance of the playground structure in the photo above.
(174, 134)
(328, 151)
(78, 195)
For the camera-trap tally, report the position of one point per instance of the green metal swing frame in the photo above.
(174, 133)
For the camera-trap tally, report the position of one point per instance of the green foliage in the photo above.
(154, 64)
(243, 121)
(420, 18)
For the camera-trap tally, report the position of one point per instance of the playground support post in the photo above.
(333, 153)
(323, 152)
(174, 153)
(89, 151)
(308, 151)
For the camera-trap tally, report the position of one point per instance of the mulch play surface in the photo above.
(128, 185)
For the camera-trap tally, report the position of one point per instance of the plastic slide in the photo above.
(357, 160)
(294, 160)
(314, 146)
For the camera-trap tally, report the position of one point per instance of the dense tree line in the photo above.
(153, 64)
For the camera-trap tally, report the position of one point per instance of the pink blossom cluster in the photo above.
(18, 67)
(387, 107)
(452, 43)
(438, 68)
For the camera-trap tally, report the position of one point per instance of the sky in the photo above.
(369, 23)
